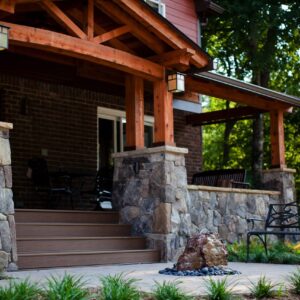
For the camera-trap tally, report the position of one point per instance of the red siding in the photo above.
(182, 13)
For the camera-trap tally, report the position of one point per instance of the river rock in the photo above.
(202, 250)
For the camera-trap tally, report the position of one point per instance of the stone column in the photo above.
(281, 180)
(150, 191)
(8, 249)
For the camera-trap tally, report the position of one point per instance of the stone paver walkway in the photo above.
(147, 274)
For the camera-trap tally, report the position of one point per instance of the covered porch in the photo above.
(109, 60)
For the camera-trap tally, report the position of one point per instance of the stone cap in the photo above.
(276, 170)
(230, 190)
(4, 126)
(165, 149)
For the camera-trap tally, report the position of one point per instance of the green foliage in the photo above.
(117, 287)
(264, 288)
(294, 280)
(278, 253)
(219, 289)
(23, 290)
(169, 291)
(66, 288)
(261, 46)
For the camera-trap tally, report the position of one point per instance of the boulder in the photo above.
(202, 250)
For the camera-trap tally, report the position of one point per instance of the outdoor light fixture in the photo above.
(3, 37)
(176, 83)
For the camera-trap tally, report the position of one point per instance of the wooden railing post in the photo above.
(163, 114)
(134, 101)
(277, 139)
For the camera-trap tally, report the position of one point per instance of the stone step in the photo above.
(65, 216)
(70, 259)
(71, 230)
(49, 244)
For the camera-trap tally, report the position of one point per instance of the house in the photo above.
(85, 85)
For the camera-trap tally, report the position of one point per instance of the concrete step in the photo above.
(87, 258)
(65, 216)
(49, 244)
(71, 230)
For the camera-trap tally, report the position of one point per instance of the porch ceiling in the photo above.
(126, 35)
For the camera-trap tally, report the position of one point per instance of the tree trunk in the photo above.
(258, 150)
(226, 147)
(262, 79)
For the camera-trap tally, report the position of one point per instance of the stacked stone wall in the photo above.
(225, 211)
(150, 190)
(8, 250)
(151, 193)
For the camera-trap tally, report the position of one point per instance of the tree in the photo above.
(257, 41)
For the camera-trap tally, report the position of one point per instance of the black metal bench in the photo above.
(282, 219)
(234, 178)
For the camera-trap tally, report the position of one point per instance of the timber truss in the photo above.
(124, 35)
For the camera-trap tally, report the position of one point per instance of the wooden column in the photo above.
(277, 139)
(134, 101)
(163, 115)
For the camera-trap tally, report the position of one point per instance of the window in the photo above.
(158, 6)
(112, 134)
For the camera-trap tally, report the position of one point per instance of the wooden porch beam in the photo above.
(104, 37)
(163, 115)
(233, 94)
(221, 116)
(161, 29)
(177, 59)
(8, 6)
(146, 37)
(62, 18)
(134, 101)
(90, 20)
(277, 139)
(82, 49)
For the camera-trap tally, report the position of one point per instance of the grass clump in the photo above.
(23, 290)
(264, 288)
(219, 289)
(169, 291)
(68, 287)
(294, 280)
(117, 287)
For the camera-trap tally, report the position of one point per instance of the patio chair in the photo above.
(102, 189)
(57, 184)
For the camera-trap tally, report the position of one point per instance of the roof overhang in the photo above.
(249, 88)
(215, 85)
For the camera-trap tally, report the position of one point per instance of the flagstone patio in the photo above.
(147, 274)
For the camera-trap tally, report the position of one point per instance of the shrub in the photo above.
(219, 289)
(67, 288)
(118, 287)
(23, 290)
(169, 291)
(294, 280)
(264, 288)
(278, 252)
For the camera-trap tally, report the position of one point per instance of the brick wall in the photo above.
(63, 119)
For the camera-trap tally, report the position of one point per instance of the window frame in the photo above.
(161, 6)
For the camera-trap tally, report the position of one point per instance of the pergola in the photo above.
(140, 46)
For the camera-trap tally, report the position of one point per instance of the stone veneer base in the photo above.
(8, 249)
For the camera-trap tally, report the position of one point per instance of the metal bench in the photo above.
(234, 178)
(282, 219)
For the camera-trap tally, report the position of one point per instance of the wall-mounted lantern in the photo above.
(176, 83)
(3, 37)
